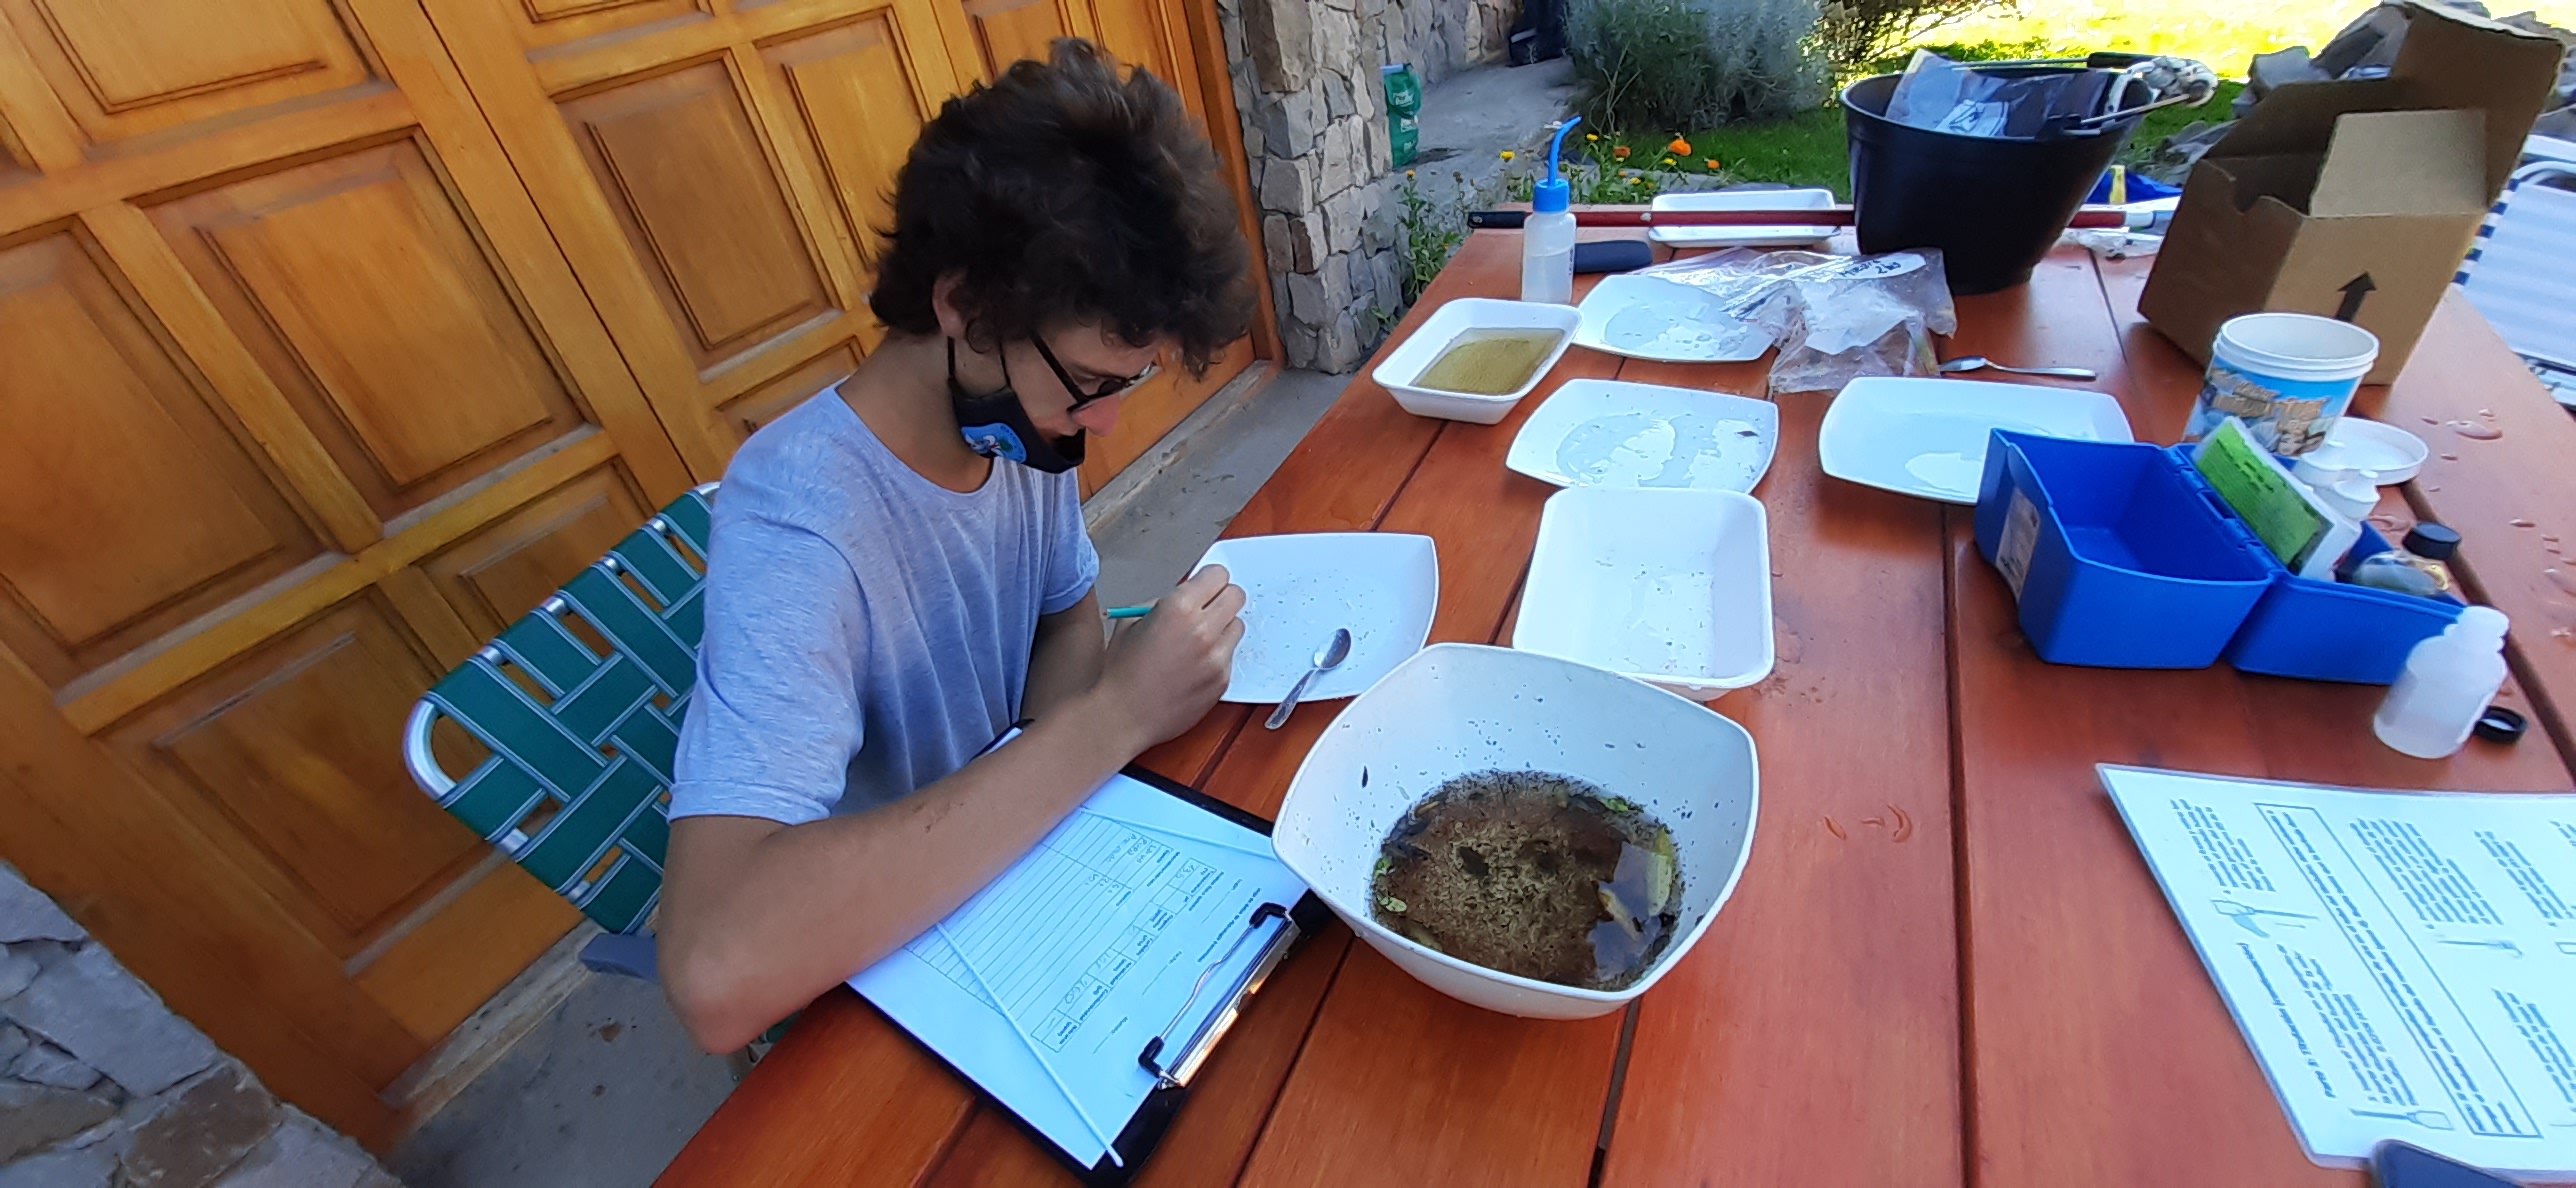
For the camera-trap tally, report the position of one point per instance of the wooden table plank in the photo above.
(2099, 1051)
(2461, 373)
(1343, 476)
(1813, 1036)
(1401, 1084)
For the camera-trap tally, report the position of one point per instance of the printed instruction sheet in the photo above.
(2402, 963)
(1044, 987)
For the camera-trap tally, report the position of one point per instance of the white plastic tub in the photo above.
(1406, 363)
(1459, 708)
(1666, 585)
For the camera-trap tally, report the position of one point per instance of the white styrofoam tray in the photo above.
(1667, 586)
(1406, 363)
(1646, 317)
(1612, 433)
(1454, 709)
(1927, 437)
(1781, 236)
(1384, 586)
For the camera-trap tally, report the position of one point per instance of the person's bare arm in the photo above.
(1065, 661)
(758, 917)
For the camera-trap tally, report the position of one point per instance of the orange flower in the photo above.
(1711, 163)
(1679, 147)
(1620, 153)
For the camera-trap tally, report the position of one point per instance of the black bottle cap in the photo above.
(2499, 724)
(2432, 541)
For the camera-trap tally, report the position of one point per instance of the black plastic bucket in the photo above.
(1993, 205)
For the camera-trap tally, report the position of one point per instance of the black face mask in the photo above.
(997, 427)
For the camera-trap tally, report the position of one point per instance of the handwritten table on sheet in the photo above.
(1053, 980)
(2403, 964)
(1085, 950)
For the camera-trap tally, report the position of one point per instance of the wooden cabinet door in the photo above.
(302, 402)
(718, 172)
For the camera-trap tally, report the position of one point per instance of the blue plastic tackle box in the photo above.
(2122, 556)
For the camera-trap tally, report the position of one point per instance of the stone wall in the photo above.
(1306, 81)
(101, 1085)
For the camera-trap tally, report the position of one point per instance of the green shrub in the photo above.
(1694, 63)
(1854, 33)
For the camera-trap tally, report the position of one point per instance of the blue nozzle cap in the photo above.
(1552, 195)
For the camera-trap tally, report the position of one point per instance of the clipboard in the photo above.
(1181, 1047)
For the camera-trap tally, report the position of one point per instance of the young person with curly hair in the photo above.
(899, 568)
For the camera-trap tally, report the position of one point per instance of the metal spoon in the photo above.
(1973, 362)
(1327, 658)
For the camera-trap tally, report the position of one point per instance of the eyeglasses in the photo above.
(1108, 388)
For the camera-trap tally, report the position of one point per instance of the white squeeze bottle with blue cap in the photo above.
(2448, 681)
(1547, 236)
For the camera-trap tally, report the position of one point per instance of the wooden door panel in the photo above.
(290, 753)
(132, 505)
(1153, 410)
(858, 111)
(682, 165)
(1009, 30)
(1132, 30)
(435, 976)
(310, 266)
(553, 23)
(743, 415)
(145, 66)
(287, 353)
(507, 567)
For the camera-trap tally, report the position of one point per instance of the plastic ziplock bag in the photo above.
(1836, 318)
(1938, 94)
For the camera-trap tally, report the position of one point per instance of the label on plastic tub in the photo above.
(2021, 535)
(2282, 515)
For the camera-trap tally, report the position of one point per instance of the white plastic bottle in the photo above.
(2449, 680)
(1547, 235)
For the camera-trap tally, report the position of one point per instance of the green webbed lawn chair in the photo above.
(580, 704)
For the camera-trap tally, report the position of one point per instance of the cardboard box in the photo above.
(2355, 199)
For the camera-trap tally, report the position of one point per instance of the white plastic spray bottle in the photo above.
(1547, 236)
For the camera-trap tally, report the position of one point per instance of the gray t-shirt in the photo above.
(867, 630)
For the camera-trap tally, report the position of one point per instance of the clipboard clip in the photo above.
(1172, 1074)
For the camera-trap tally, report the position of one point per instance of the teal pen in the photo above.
(1129, 612)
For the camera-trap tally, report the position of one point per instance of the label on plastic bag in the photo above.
(2021, 536)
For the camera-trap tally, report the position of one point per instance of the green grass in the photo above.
(2224, 33)
(1808, 150)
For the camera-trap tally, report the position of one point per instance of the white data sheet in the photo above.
(2402, 963)
(1044, 987)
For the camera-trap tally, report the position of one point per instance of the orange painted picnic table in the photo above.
(1946, 962)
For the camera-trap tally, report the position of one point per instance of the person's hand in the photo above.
(1166, 670)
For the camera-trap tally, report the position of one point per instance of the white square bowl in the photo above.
(1454, 709)
(1613, 433)
(1384, 586)
(1916, 435)
(1667, 586)
(1406, 363)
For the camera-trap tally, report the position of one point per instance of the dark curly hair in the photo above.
(1063, 193)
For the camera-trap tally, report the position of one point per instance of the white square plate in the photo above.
(1644, 317)
(1927, 437)
(1609, 433)
(1670, 587)
(1744, 200)
(1384, 586)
